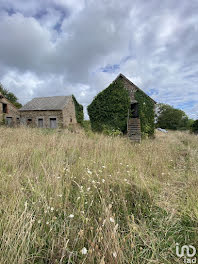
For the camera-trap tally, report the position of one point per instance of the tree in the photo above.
(194, 127)
(10, 96)
(171, 118)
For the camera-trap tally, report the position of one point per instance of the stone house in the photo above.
(9, 114)
(49, 112)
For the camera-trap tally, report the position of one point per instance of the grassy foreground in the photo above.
(77, 198)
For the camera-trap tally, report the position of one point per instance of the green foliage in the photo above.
(146, 112)
(111, 132)
(171, 118)
(10, 96)
(110, 108)
(79, 111)
(194, 127)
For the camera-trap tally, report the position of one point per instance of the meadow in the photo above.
(89, 198)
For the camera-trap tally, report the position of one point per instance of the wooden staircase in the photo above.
(134, 129)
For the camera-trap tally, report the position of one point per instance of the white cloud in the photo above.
(60, 47)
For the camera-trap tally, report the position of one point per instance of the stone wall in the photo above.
(45, 115)
(131, 88)
(69, 113)
(12, 112)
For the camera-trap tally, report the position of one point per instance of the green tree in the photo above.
(170, 118)
(10, 96)
(194, 127)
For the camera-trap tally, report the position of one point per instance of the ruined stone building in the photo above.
(9, 114)
(49, 112)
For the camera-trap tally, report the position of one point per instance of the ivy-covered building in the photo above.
(124, 106)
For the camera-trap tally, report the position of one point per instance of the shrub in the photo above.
(194, 127)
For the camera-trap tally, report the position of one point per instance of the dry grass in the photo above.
(61, 192)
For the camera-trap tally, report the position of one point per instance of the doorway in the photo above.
(134, 110)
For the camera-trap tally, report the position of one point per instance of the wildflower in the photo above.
(52, 209)
(103, 167)
(112, 220)
(47, 223)
(89, 172)
(39, 221)
(114, 254)
(84, 251)
(88, 189)
(103, 180)
(93, 181)
(71, 216)
(60, 195)
(78, 198)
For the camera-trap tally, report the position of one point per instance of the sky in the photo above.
(64, 47)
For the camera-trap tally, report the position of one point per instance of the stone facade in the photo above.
(9, 114)
(129, 86)
(69, 113)
(50, 118)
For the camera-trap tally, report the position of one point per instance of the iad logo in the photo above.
(187, 252)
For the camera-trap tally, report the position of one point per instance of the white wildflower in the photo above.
(88, 189)
(103, 167)
(114, 254)
(84, 251)
(52, 209)
(112, 220)
(71, 216)
(103, 180)
(89, 172)
(47, 223)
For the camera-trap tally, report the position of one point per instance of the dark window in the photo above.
(70, 120)
(18, 120)
(53, 123)
(29, 121)
(40, 122)
(5, 108)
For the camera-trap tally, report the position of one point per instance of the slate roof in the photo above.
(46, 103)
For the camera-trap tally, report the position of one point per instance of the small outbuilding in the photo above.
(51, 112)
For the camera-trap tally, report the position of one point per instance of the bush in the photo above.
(194, 127)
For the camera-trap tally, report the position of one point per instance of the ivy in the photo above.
(79, 111)
(146, 112)
(109, 109)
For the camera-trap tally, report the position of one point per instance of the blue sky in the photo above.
(62, 47)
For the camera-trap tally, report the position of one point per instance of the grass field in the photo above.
(88, 198)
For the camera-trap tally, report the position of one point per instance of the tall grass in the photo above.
(88, 198)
